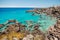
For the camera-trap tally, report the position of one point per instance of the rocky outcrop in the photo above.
(53, 32)
(52, 11)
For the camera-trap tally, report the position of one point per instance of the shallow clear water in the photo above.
(21, 15)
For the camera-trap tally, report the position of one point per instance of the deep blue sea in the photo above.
(21, 16)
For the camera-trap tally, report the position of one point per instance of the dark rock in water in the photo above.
(1, 25)
(12, 21)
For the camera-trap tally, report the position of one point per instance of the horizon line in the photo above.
(28, 6)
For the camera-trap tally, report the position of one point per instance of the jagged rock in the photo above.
(53, 32)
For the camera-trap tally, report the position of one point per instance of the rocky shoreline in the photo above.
(52, 11)
(17, 31)
(53, 32)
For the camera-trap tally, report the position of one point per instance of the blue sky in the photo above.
(29, 3)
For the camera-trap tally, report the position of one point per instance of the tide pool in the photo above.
(21, 16)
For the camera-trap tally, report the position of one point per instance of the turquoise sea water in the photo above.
(21, 16)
